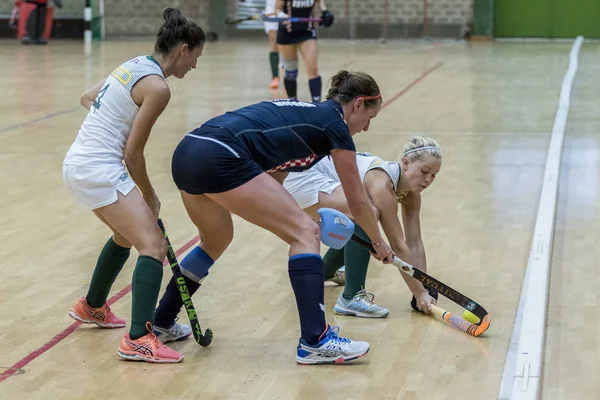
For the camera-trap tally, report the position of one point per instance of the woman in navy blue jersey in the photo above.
(302, 36)
(236, 163)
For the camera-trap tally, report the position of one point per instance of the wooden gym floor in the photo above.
(490, 106)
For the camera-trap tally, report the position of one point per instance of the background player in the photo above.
(271, 30)
(235, 163)
(302, 36)
(387, 184)
(122, 110)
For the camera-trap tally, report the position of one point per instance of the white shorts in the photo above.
(270, 9)
(305, 186)
(96, 187)
(271, 26)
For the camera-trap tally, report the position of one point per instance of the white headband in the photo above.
(420, 148)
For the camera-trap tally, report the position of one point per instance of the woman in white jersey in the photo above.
(387, 184)
(122, 111)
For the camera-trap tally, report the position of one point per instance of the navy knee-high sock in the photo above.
(315, 89)
(197, 262)
(170, 304)
(306, 277)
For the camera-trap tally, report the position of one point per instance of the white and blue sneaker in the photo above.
(361, 305)
(331, 349)
(340, 276)
(175, 333)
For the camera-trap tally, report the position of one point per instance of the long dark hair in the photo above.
(177, 29)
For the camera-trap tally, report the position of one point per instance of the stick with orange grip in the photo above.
(444, 290)
(458, 322)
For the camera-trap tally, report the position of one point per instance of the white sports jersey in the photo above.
(270, 6)
(365, 164)
(107, 126)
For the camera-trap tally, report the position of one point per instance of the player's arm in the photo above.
(279, 176)
(326, 15)
(358, 201)
(152, 94)
(89, 96)
(384, 198)
(280, 13)
(315, 12)
(279, 7)
(411, 208)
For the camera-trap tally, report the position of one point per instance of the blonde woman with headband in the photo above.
(388, 184)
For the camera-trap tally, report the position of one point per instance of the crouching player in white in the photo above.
(388, 184)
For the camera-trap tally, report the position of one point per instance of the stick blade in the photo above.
(459, 323)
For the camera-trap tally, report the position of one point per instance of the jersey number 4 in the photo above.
(101, 93)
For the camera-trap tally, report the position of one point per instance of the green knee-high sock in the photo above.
(147, 277)
(274, 60)
(357, 261)
(110, 263)
(333, 260)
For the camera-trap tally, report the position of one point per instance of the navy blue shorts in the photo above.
(212, 160)
(285, 37)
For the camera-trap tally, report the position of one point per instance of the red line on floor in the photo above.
(410, 85)
(56, 339)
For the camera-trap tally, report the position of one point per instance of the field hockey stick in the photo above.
(458, 322)
(13, 16)
(230, 21)
(446, 291)
(267, 18)
(202, 339)
(292, 19)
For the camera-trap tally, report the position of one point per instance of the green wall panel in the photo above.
(522, 18)
(547, 18)
(576, 17)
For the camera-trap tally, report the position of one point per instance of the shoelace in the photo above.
(177, 328)
(157, 343)
(366, 296)
(333, 334)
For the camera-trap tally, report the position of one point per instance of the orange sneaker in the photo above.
(102, 316)
(147, 348)
(274, 83)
